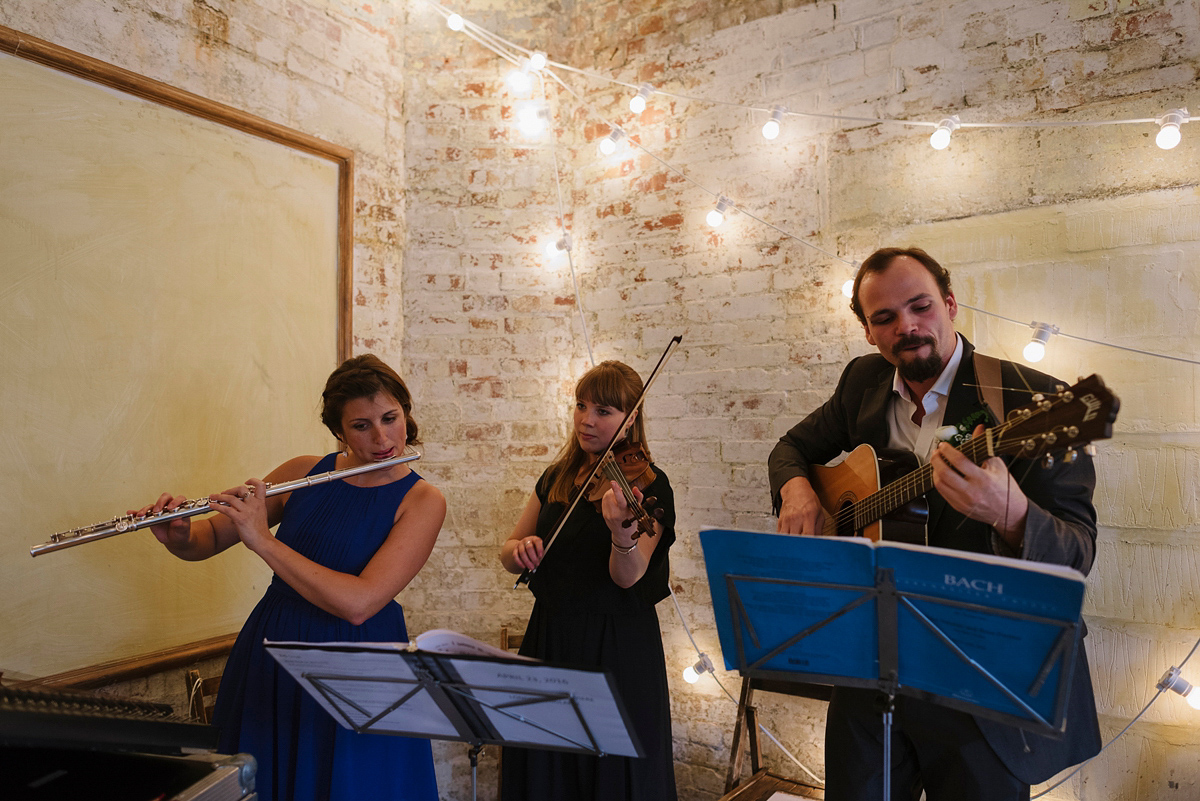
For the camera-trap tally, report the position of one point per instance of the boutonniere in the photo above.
(956, 435)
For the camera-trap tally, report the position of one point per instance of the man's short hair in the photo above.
(881, 259)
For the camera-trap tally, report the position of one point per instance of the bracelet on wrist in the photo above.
(621, 548)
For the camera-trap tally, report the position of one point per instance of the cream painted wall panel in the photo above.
(1127, 660)
(168, 298)
(1152, 579)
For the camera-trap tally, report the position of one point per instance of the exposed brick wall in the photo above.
(765, 331)
(1092, 229)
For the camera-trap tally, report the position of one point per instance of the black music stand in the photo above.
(990, 636)
(384, 688)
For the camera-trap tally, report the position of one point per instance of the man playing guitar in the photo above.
(921, 383)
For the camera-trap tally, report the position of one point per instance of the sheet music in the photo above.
(549, 723)
(990, 635)
(395, 688)
(375, 677)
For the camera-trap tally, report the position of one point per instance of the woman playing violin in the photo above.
(595, 592)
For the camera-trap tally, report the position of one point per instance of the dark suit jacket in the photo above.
(1061, 526)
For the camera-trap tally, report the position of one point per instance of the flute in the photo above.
(199, 506)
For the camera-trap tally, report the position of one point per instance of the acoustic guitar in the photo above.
(858, 504)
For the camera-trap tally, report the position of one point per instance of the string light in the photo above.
(692, 673)
(561, 245)
(717, 215)
(940, 138)
(1168, 130)
(532, 119)
(1172, 680)
(770, 130)
(1036, 349)
(637, 103)
(519, 80)
(608, 145)
(512, 53)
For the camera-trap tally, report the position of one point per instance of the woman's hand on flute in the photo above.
(174, 533)
(246, 508)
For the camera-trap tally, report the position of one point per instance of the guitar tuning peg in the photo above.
(1038, 398)
(1070, 456)
(1048, 461)
(1089, 449)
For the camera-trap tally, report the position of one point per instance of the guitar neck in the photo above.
(904, 490)
(1068, 418)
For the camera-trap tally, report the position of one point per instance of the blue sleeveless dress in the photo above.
(302, 753)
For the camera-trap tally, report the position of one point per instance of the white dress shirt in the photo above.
(921, 439)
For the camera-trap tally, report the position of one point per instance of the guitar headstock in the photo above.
(1059, 421)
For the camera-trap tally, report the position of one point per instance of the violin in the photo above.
(645, 523)
(629, 466)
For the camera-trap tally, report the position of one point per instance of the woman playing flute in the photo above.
(342, 553)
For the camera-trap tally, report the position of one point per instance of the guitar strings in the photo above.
(916, 483)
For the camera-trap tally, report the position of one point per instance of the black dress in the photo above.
(580, 617)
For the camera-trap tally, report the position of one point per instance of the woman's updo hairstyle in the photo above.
(363, 377)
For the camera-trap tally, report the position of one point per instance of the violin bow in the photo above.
(620, 432)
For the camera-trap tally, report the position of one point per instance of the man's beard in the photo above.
(921, 368)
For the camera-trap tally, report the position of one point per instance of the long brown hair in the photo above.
(610, 383)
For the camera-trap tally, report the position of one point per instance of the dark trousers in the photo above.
(934, 748)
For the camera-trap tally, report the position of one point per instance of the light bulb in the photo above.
(717, 215)
(562, 244)
(848, 288)
(537, 61)
(692, 673)
(531, 120)
(940, 138)
(1172, 680)
(1036, 349)
(637, 103)
(770, 129)
(608, 145)
(1168, 132)
(520, 82)
(455, 22)
(1168, 136)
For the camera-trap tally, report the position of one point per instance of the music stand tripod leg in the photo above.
(888, 708)
(473, 756)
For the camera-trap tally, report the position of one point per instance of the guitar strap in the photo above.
(987, 381)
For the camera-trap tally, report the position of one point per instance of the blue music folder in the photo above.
(984, 634)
